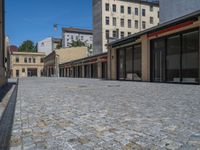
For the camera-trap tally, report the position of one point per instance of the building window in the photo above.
(72, 37)
(136, 24)
(136, 11)
(23, 70)
(151, 8)
(17, 59)
(81, 37)
(114, 8)
(107, 7)
(129, 63)
(17, 73)
(107, 34)
(114, 21)
(129, 10)
(129, 33)
(107, 21)
(158, 14)
(122, 22)
(34, 60)
(143, 25)
(143, 12)
(190, 57)
(114, 34)
(122, 34)
(41, 60)
(29, 60)
(122, 9)
(151, 20)
(175, 58)
(129, 23)
(25, 60)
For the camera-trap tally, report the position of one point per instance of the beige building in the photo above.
(59, 56)
(2, 44)
(117, 19)
(26, 64)
(168, 53)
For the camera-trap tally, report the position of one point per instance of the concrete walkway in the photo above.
(86, 114)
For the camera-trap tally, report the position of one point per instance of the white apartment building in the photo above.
(119, 18)
(74, 34)
(48, 45)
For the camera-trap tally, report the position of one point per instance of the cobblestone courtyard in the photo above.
(84, 114)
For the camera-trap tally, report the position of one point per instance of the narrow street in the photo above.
(84, 114)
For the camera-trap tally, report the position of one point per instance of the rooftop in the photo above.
(77, 30)
(28, 53)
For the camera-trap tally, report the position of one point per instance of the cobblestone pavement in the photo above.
(87, 114)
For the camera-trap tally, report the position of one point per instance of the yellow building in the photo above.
(26, 64)
(59, 56)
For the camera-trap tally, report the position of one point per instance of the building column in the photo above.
(83, 71)
(145, 59)
(99, 69)
(112, 64)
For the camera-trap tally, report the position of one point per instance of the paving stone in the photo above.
(87, 114)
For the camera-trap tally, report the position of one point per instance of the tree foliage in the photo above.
(27, 46)
(77, 43)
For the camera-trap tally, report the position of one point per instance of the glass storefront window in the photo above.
(190, 57)
(137, 63)
(173, 59)
(181, 55)
(158, 60)
(129, 63)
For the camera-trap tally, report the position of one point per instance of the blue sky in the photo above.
(34, 19)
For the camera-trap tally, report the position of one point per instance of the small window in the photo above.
(143, 25)
(107, 34)
(114, 21)
(122, 22)
(29, 60)
(25, 60)
(129, 10)
(129, 23)
(143, 12)
(122, 9)
(151, 20)
(151, 8)
(107, 7)
(114, 8)
(122, 34)
(114, 34)
(23, 70)
(17, 73)
(41, 60)
(136, 24)
(81, 37)
(136, 11)
(17, 59)
(129, 33)
(107, 21)
(158, 14)
(34, 60)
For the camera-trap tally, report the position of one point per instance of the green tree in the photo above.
(27, 46)
(77, 43)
